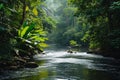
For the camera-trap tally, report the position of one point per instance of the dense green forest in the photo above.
(26, 26)
(91, 23)
(103, 21)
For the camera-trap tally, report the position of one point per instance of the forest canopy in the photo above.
(90, 23)
(103, 19)
(26, 25)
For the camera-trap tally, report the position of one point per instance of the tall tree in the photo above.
(102, 18)
(21, 27)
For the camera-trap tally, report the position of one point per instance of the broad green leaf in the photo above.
(23, 31)
(35, 12)
(37, 38)
(27, 8)
(43, 45)
(31, 27)
(41, 32)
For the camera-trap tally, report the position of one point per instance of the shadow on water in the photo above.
(59, 65)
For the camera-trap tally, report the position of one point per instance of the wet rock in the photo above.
(31, 65)
(43, 53)
(20, 59)
(69, 51)
(13, 67)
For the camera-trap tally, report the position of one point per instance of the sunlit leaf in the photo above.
(31, 27)
(27, 8)
(23, 31)
(73, 43)
(43, 45)
(35, 12)
(37, 38)
(41, 32)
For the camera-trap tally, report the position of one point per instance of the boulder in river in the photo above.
(69, 51)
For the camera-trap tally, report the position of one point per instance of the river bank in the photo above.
(60, 65)
(110, 53)
(23, 61)
(17, 63)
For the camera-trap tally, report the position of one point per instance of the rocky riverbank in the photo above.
(114, 54)
(17, 63)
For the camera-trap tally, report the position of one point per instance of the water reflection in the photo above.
(43, 75)
(79, 72)
(59, 65)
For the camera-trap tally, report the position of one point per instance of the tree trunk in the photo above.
(24, 12)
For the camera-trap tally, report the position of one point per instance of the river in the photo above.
(60, 65)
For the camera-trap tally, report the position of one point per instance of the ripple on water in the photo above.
(68, 66)
(90, 61)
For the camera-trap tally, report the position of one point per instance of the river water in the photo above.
(60, 65)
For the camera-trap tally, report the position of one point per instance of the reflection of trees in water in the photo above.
(43, 74)
(76, 71)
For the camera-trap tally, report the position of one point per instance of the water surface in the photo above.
(60, 65)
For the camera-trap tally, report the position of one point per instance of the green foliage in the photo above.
(33, 36)
(27, 22)
(21, 27)
(115, 5)
(114, 39)
(68, 26)
(35, 11)
(49, 24)
(102, 18)
(73, 43)
(25, 30)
